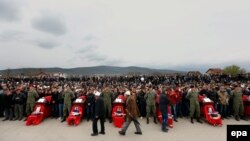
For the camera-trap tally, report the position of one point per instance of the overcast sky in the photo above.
(174, 34)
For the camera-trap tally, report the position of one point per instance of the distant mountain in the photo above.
(101, 70)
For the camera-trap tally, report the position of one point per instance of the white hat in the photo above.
(142, 78)
(97, 93)
(242, 85)
(127, 93)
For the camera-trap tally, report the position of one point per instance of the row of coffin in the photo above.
(43, 110)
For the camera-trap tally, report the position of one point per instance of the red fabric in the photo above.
(173, 96)
(45, 111)
(76, 119)
(247, 111)
(179, 95)
(205, 112)
(209, 118)
(118, 120)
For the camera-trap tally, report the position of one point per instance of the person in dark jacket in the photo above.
(1, 101)
(212, 94)
(55, 111)
(60, 103)
(90, 105)
(19, 100)
(142, 103)
(99, 115)
(9, 105)
(163, 106)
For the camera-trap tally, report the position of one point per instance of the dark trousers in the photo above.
(179, 106)
(223, 110)
(164, 121)
(185, 109)
(55, 110)
(95, 128)
(174, 110)
(8, 113)
(18, 111)
(90, 112)
(60, 110)
(142, 108)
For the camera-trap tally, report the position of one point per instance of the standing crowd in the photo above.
(144, 94)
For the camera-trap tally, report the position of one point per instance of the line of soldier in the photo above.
(18, 98)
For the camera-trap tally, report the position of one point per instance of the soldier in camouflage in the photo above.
(31, 100)
(150, 98)
(68, 95)
(194, 103)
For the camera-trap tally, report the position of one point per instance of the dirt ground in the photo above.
(54, 130)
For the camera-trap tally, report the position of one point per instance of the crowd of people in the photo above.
(18, 96)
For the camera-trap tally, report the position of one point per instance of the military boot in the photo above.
(198, 120)
(237, 118)
(64, 119)
(192, 120)
(155, 121)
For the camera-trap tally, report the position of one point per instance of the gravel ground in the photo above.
(54, 130)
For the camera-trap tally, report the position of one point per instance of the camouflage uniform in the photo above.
(150, 100)
(238, 106)
(31, 101)
(194, 104)
(67, 96)
(107, 96)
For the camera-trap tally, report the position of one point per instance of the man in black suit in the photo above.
(163, 105)
(99, 114)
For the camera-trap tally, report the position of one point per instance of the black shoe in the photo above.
(63, 120)
(102, 133)
(94, 134)
(110, 120)
(175, 120)
(121, 133)
(192, 120)
(164, 130)
(199, 121)
(155, 121)
(237, 118)
(138, 133)
(147, 121)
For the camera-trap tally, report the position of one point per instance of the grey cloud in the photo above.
(89, 38)
(46, 44)
(95, 57)
(9, 10)
(86, 49)
(10, 35)
(102, 59)
(50, 24)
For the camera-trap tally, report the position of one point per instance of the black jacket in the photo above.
(19, 98)
(99, 107)
(163, 103)
(60, 99)
(8, 102)
(55, 97)
(140, 98)
(90, 99)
